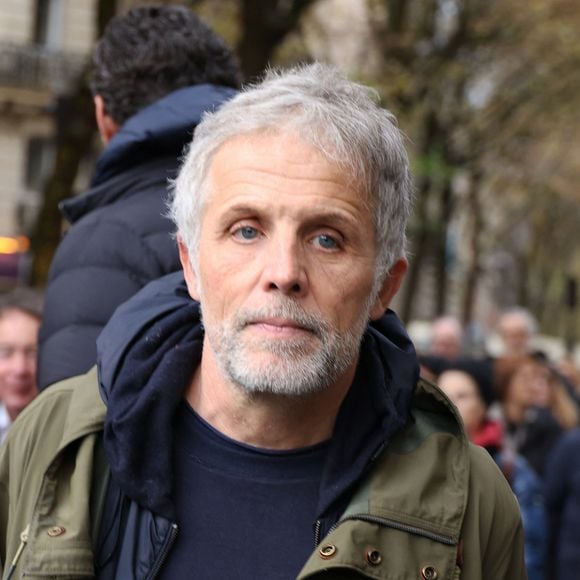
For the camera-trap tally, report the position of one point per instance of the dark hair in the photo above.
(152, 51)
(24, 300)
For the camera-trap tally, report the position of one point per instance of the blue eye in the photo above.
(246, 233)
(327, 242)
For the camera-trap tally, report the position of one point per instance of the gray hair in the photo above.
(523, 315)
(340, 118)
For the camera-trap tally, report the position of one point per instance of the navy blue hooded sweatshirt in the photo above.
(119, 238)
(147, 354)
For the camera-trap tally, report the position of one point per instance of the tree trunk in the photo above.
(421, 239)
(265, 24)
(419, 250)
(474, 269)
(441, 257)
(75, 128)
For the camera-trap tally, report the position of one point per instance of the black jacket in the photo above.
(119, 239)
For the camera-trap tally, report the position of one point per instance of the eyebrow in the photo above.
(324, 215)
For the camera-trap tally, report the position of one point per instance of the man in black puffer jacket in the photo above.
(156, 70)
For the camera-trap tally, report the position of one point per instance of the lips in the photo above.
(280, 326)
(281, 318)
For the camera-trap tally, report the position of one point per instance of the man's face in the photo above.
(446, 343)
(285, 268)
(18, 341)
(515, 335)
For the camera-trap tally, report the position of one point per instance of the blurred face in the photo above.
(18, 341)
(446, 342)
(286, 267)
(530, 385)
(464, 394)
(515, 335)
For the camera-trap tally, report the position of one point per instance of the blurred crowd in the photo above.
(523, 408)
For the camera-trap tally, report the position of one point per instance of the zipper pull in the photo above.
(23, 542)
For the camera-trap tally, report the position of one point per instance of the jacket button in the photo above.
(55, 531)
(327, 551)
(373, 557)
(429, 573)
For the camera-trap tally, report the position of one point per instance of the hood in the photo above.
(147, 354)
(158, 131)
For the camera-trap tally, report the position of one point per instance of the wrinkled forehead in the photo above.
(290, 144)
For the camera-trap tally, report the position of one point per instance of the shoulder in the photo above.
(56, 417)
(492, 529)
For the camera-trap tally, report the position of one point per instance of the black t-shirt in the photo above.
(243, 512)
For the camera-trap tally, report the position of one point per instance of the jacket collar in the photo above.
(147, 354)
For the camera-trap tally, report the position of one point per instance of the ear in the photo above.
(188, 272)
(107, 126)
(390, 287)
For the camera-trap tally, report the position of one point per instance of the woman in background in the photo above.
(464, 392)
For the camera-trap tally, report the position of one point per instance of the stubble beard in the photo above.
(297, 366)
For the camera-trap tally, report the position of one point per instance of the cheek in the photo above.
(350, 289)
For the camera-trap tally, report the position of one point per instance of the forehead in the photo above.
(457, 381)
(514, 323)
(16, 324)
(278, 157)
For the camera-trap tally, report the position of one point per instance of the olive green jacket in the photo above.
(432, 507)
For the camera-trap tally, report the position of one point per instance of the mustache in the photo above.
(287, 309)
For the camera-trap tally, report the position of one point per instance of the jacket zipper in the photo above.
(388, 523)
(23, 542)
(317, 527)
(169, 541)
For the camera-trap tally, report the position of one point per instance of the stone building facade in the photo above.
(43, 45)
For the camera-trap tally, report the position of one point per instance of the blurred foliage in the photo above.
(488, 92)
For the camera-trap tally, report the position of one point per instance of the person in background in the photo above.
(465, 393)
(517, 328)
(522, 386)
(446, 338)
(156, 70)
(557, 395)
(19, 323)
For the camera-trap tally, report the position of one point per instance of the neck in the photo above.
(265, 420)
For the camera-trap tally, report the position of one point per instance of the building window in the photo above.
(48, 24)
(39, 162)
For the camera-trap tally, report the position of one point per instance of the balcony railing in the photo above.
(39, 68)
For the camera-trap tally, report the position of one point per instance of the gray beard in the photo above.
(296, 367)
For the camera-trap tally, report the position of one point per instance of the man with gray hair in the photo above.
(517, 328)
(446, 339)
(288, 434)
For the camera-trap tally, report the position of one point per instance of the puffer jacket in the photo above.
(119, 238)
(403, 494)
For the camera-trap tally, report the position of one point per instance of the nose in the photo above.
(285, 267)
